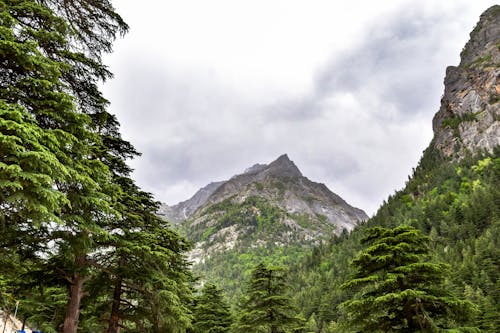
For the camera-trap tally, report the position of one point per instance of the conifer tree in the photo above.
(38, 120)
(266, 307)
(64, 161)
(211, 312)
(32, 79)
(397, 290)
(146, 269)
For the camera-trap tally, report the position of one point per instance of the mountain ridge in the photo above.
(276, 174)
(468, 120)
(453, 196)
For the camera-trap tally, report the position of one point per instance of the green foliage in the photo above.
(80, 245)
(28, 169)
(254, 212)
(211, 312)
(230, 268)
(146, 279)
(397, 289)
(457, 204)
(265, 306)
(454, 122)
(262, 237)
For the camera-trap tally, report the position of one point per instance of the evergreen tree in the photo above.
(147, 269)
(63, 161)
(32, 79)
(211, 312)
(397, 289)
(40, 130)
(266, 307)
(311, 325)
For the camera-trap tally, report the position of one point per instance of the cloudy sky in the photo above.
(205, 89)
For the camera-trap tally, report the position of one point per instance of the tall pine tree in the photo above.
(266, 306)
(397, 289)
(63, 177)
(211, 312)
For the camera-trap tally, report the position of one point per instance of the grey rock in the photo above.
(468, 120)
(185, 209)
(280, 184)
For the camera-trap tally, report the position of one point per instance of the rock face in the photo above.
(468, 120)
(282, 184)
(185, 209)
(267, 204)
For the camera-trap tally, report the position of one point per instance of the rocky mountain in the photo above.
(453, 196)
(469, 117)
(183, 210)
(269, 181)
(267, 205)
(280, 183)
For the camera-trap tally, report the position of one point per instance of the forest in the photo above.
(82, 249)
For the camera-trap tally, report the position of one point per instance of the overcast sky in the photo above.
(205, 89)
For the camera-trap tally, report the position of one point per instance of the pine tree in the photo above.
(51, 65)
(266, 307)
(64, 161)
(38, 122)
(147, 269)
(211, 312)
(397, 290)
(32, 80)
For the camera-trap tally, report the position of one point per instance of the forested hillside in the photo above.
(457, 204)
(269, 214)
(82, 249)
(452, 196)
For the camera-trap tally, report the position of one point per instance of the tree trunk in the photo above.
(114, 319)
(73, 306)
(7, 317)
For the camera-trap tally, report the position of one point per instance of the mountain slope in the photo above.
(266, 204)
(267, 213)
(468, 120)
(185, 209)
(453, 196)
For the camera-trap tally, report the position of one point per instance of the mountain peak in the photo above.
(284, 157)
(485, 34)
(468, 120)
(279, 182)
(283, 167)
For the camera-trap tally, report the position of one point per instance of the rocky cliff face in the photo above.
(183, 210)
(269, 204)
(468, 120)
(282, 184)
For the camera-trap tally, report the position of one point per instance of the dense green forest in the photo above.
(455, 203)
(82, 250)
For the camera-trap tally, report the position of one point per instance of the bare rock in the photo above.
(468, 120)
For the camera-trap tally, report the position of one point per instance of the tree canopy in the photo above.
(70, 213)
(266, 306)
(211, 312)
(397, 289)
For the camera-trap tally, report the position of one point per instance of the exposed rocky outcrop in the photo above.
(469, 117)
(282, 184)
(279, 182)
(267, 205)
(183, 210)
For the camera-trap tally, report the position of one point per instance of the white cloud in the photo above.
(205, 89)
